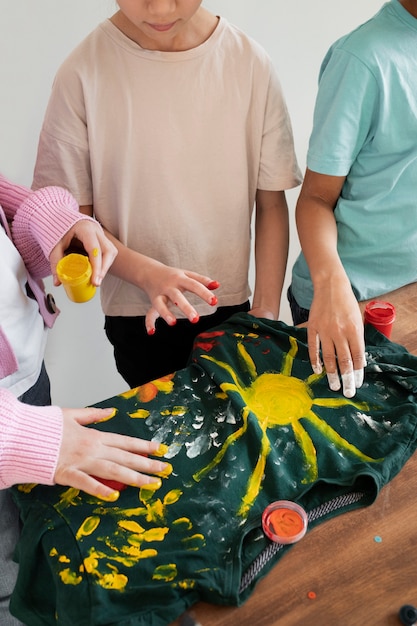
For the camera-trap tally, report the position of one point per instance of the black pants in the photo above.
(299, 315)
(141, 357)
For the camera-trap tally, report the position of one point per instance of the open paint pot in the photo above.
(284, 522)
(74, 271)
(380, 315)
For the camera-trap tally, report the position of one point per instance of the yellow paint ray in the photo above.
(286, 368)
(219, 456)
(222, 364)
(334, 403)
(309, 452)
(255, 481)
(248, 361)
(314, 378)
(334, 437)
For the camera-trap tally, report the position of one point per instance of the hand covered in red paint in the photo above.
(87, 454)
(165, 287)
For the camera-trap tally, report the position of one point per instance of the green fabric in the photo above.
(247, 423)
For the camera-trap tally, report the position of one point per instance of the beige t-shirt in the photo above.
(170, 148)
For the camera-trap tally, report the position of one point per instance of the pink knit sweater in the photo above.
(30, 437)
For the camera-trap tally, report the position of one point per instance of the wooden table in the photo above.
(360, 566)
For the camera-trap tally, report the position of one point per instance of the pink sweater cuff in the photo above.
(30, 441)
(45, 216)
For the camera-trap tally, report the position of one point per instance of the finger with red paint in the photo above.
(166, 288)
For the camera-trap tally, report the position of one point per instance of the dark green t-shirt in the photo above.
(246, 423)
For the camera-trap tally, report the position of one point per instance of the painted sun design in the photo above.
(279, 399)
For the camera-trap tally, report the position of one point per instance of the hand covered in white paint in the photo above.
(87, 454)
(335, 327)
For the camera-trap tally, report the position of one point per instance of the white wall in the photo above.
(35, 36)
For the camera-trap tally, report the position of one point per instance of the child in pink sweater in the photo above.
(46, 444)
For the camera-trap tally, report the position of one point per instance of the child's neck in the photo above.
(194, 33)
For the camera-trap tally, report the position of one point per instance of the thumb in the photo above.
(57, 253)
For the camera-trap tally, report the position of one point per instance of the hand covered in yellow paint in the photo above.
(87, 453)
(99, 248)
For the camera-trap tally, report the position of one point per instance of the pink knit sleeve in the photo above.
(30, 440)
(40, 222)
(11, 196)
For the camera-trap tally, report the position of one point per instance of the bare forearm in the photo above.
(128, 265)
(317, 229)
(335, 327)
(271, 251)
(165, 286)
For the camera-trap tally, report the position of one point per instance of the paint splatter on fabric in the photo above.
(246, 423)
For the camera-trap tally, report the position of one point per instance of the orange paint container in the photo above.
(74, 271)
(284, 522)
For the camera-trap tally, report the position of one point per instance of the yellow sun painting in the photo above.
(278, 399)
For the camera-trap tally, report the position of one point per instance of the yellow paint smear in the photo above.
(167, 573)
(140, 413)
(88, 526)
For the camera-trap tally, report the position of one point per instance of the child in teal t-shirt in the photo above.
(357, 210)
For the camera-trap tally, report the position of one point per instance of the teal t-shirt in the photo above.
(247, 423)
(365, 128)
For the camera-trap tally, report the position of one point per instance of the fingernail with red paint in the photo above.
(213, 285)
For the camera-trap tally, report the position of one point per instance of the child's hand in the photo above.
(336, 337)
(99, 248)
(166, 285)
(87, 453)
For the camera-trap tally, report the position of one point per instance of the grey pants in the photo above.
(9, 533)
(38, 395)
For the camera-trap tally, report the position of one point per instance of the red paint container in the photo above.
(380, 315)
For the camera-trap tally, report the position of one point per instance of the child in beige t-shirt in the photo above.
(168, 124)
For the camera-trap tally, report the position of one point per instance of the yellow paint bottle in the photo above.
(74, 271)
